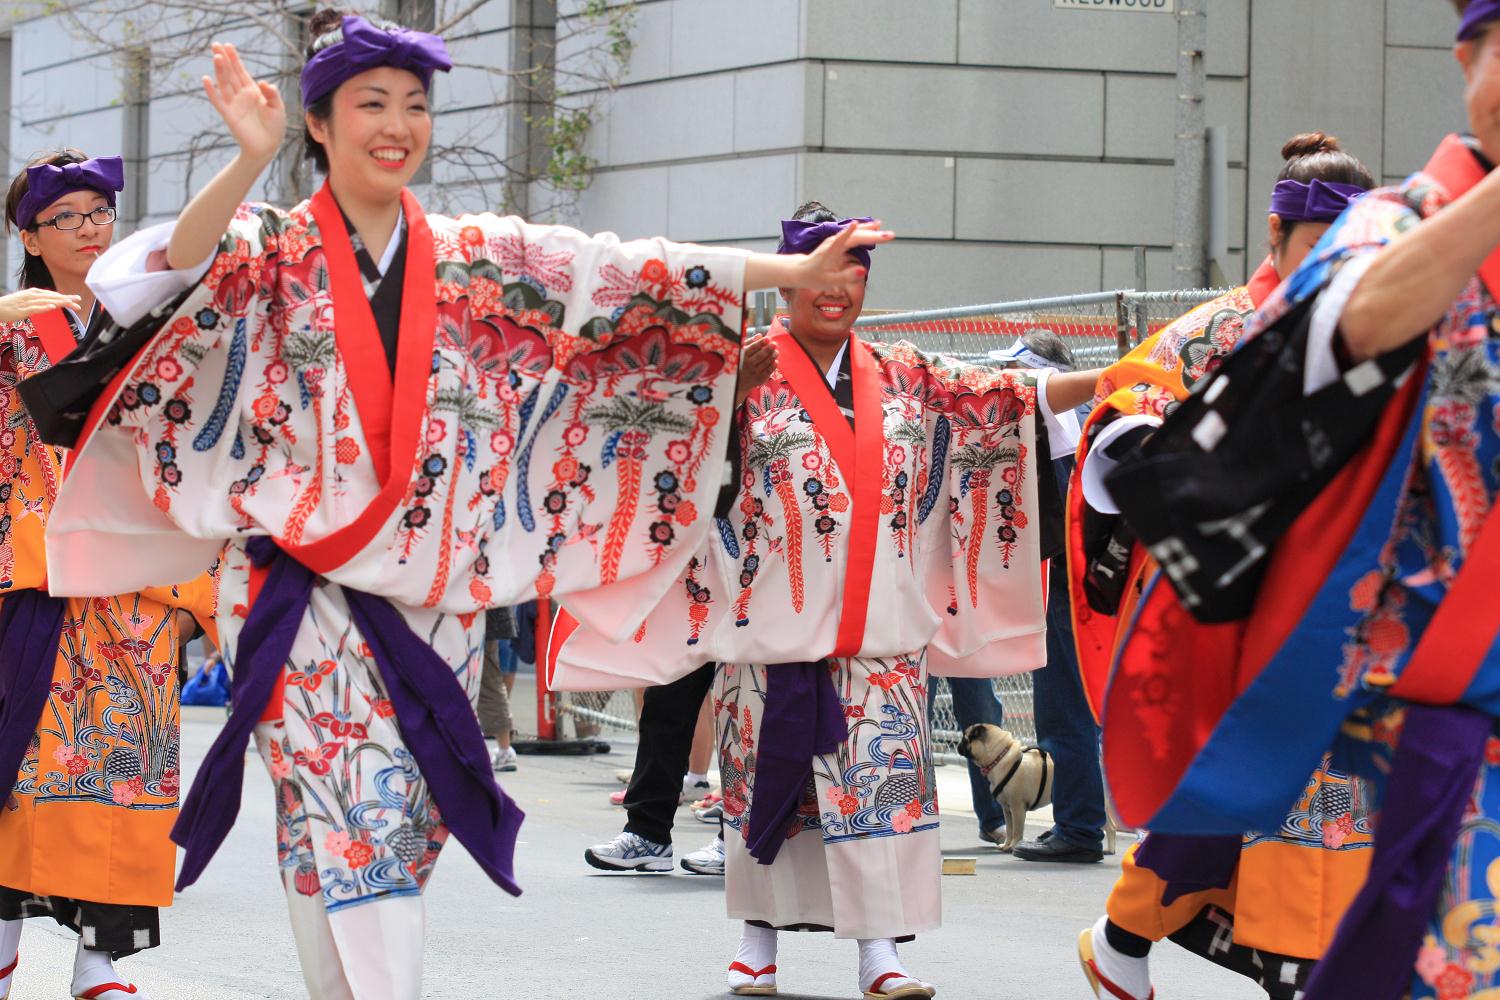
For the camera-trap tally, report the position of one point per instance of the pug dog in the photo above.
(1020, 779)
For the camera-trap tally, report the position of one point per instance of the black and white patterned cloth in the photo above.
(117, 928)
(1225, 476)
(1211, 935)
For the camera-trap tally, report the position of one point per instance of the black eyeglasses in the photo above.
(69, 221)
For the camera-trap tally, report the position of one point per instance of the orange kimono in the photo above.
(1293, 884)
(96, 795)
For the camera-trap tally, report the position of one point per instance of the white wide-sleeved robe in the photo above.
(543, 379)
(944, 510)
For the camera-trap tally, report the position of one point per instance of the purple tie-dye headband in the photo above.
(1478, 14)
(1318, 201)
(364, 46)
(805, 237)
(47, 182)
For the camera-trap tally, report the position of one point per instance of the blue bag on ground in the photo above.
(209, 686)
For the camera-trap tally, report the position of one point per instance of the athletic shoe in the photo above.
(630, 852)
(692, 791)
(503, 759)
(710, 814)
(708, 861)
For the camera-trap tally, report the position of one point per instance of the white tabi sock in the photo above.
(92, 969)
(877, 958)
(758, 953)
(10, 943)
(1133, 975)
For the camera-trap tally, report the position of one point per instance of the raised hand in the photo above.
(28, 302)
(757, 361)
(252, 109)
(830, 267)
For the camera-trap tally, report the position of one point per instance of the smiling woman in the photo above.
(88, 739)
(889, 518)
(394, 420)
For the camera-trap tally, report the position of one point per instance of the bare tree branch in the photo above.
(523, 144)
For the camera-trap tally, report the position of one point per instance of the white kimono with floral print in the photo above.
(956, 587)
(565, 373)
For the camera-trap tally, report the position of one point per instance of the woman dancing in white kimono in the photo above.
(889, 522)
(388, 421)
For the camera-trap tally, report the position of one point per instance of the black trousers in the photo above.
(669, 715)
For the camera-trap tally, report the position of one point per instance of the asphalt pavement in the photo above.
(1008, 932)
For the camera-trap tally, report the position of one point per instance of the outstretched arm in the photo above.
(1069, 390)
(256, 118)
(1413, 280)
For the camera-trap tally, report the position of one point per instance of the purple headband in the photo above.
(1315, 202)
(47, 182)
(1476, 16)
(365, 46)
(805, 237)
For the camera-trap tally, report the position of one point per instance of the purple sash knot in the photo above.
(1189, 863)
(436, 720)
(31, 624)
(1374, 951)
(803, 718)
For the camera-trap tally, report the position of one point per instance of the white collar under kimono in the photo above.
(831, 376)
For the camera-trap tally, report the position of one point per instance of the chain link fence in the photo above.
(1098, 327)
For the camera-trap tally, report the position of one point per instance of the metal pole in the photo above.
(1122, 325)
(1188, 264)
(1142, 314)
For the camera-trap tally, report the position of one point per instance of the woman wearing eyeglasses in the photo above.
(88, 735)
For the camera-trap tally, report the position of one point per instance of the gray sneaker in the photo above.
(503, 759)
(708, 861)
(630, 852)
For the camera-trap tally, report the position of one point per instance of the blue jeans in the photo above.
(974, 701)
(1065, 726)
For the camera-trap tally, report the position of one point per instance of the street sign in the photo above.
(1138, 6)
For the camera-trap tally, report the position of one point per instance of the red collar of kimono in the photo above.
(1262, 283)
(1456, 169)
(56, 334)
(860, 455)
(391, 415)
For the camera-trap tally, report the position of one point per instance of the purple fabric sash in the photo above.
(803, 718)
(31, 624)
(442, 733)
(1188, 863)
(1430, 787)
(433, 711)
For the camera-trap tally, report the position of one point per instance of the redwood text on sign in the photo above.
(1143, 6)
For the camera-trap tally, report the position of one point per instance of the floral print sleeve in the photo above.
(974, 501)
(565, 435)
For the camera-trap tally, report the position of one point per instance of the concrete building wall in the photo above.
(1019, 149)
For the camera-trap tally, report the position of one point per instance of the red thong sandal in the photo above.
(917, 989)
(7, 971)
(1102, 986)
(754, 987)
(103, 991)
